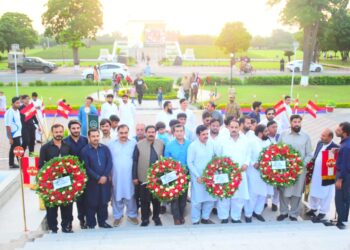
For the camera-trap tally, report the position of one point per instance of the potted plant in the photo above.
(330, 105)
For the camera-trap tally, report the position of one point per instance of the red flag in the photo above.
(296, 105)
(312, 108)
(29, 111)
(279, 107)
(128, 79)
(63, 109)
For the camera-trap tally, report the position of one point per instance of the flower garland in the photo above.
(167, 179)
(225, 169)
(270, 165)
(309, 172)
(52, 172)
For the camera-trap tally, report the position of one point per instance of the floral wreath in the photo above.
(226, 168)
(53, 172)
(167, 179)
(280, 176)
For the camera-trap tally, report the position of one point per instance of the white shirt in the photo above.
(108, 109)
(13, 120)
(190, 120)
(285, 123)
(279, 127)
(3, 103)
(127, 116)
(166, 118)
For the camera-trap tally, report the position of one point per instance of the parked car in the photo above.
(297, 66)
(106, 71)
(30, 63)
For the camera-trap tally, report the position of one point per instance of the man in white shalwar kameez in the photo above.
(109, 108)
(38, 104)
(258, 189)
(127, 115)
(321, 195)
(237, 148)
(122, 184)
(166, 115)
(200, 152)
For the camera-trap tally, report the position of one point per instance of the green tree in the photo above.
(71, 21)
(16, 28)
(308, 14)
(234, 38)
(288, 53)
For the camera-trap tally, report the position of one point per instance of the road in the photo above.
(69, 74)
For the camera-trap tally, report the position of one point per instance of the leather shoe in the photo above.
(158, 222)
(281, 217)
(208, 221)
(318, 218)
(293, 218)
(259, 217)
(225, 221)
(248, 219)
(214, 211)
(83, 225)
(196, 223)
(237, 221)
(105, 225)
(341, 225)
(14, 166)
(67, 230)
(311, 213)
(144, 223)
(274, 208)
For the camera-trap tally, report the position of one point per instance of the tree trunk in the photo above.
(75, 56)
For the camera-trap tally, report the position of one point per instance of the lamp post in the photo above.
(295, 46)
(232, 56)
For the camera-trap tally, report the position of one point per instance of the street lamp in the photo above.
(232, 57)
(295, 46)
(15, 48)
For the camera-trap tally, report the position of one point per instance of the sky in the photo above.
(185, 16)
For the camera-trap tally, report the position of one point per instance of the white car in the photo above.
(106, 71)
(297, 66)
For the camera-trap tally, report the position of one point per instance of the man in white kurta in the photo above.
(38, 104)
(127, 115)
(122, 185)
(320, 196)
(258, 189)
(166, 115)
(284, 116)
(191, 119)
(200, 152)
(109, 108)
(237, 148)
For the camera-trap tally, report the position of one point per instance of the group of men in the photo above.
(117, 167)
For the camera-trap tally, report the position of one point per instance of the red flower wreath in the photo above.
(222, 165)
(57, 168)
(171, 190)
(280, 177)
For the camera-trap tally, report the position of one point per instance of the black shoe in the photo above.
(53, 231)
(293, 218)
(105, 225)
(14, 166)
(237, 221)
(265, 206)
(311, 213)
(259, 217)
(208, 221)
(196, 223)
(162, 210)
(88, 227)
(225, 221)
(341, 225)
(247, 220)
(281, 217)
(214, 211)
(157, 222)
(144, 223)
(67, 230)
(274, 208)
(318, 218)
(83, 225)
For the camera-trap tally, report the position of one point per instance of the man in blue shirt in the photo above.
(84, 111)
(98, 163)
(342, 193)
(255, 114)
(177, 150)
(76, 142)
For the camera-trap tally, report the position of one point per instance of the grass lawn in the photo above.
(272, 94)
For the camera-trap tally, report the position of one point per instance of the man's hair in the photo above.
(110, 96)
(177, 126)
(90, 98)
(206, 114)
(160, 125)
(166, 103)
(345, 127)
(182, 100)
(114, 118)
(34, 94)
(200, 129)
(24, 97)
(256, 104)
(228, 119)
(173, 122)
(242, 120)
(252, 120)
(91, 130)
(73, 122)
(105, 121)
(57, 125)
(150, 127)
(293, 117)
(122, 126)
(214, 120)
(259, 129)
(181, 115)
(286, 97)
(269, 109)
(212, 104)
(270, 123)
(14, 99)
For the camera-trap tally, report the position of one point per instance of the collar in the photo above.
(52, 143)
(347, 139)
(91, 147)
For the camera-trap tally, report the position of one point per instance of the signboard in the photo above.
(169, 177)
(92, 122)
(61, 182)
(278, 165)
(221, 178)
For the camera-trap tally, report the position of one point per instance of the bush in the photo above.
(39, 83)
(153, 83)
(11, 84)
(270, 80)
(1, 84)
(329, 80)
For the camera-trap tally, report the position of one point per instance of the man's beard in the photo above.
(296, 129)
(76, 134)
(214, 132)
(264, 137)
(58, 137)
(170, 111)
(246, 129)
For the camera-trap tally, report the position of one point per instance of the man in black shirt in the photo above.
(140, 85)
(57, 148)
